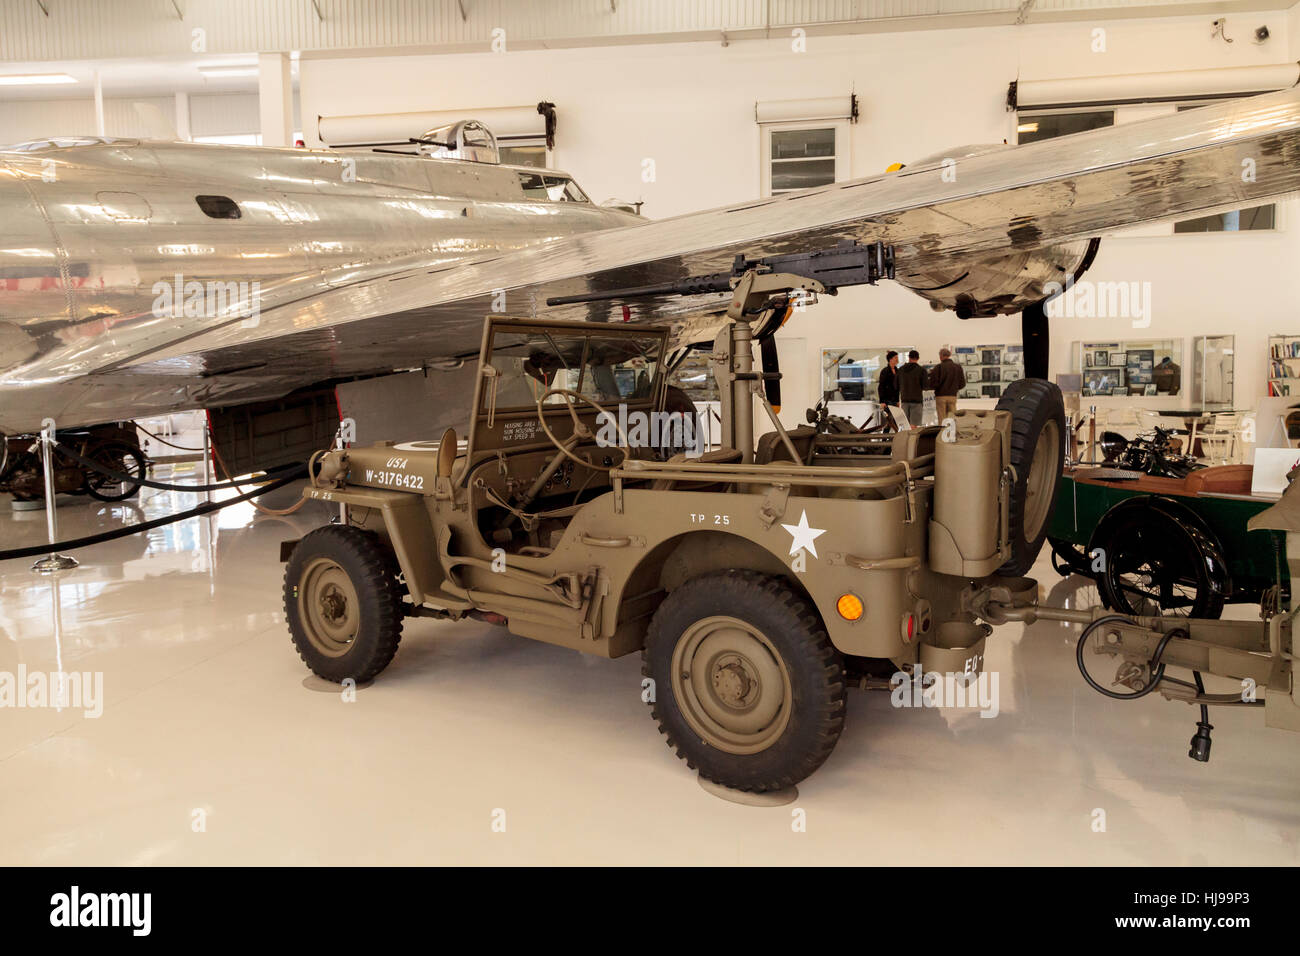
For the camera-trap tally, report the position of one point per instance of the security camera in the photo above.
(1261, 34)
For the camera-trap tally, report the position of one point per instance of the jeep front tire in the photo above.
(343, 604)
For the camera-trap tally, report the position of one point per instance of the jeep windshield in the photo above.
(613, 369)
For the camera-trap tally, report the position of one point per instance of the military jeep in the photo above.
(754, 577)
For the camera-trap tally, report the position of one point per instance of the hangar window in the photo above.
(549, 187)
(1236, 220)
(803, 157)
(523, 154)
(218, 207)
(1032, 127)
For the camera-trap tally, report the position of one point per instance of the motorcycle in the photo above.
(113, 446)
(1149, 453)
(826, 423)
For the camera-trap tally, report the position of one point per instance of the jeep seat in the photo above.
(771, 448)
(719, 456)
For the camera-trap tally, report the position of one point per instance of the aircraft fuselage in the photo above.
(115, 251)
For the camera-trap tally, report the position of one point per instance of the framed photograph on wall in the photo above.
(1101, 358)
(1150, 389)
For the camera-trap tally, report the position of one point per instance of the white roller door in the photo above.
(1032, 94)
(510, 124)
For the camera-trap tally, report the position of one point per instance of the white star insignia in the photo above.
(803, 536)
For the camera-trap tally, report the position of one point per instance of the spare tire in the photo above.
(1037, 455)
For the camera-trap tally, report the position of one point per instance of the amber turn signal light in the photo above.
(849, 606)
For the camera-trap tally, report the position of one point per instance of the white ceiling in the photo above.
(47, 30)
(143, 47)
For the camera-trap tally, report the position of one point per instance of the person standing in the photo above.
(947, 379)
(887, 389)
(911, 383)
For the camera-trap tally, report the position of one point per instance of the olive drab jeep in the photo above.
(758, 578)
(746, 574)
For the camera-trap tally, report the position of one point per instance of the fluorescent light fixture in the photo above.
(35, 79)
(235, 70)
(1027, 128)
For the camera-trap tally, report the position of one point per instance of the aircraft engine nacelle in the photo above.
(1005, 285)
(999, 285)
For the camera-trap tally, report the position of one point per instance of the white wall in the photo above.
(26, 119)
(211, 114)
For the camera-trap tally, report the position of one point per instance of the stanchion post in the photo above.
(207, 462)
(1092, 434)
(51, 562)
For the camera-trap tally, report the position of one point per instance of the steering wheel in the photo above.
(580, 430)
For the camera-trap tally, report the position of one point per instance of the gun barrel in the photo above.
(695, 285)
(848, 263)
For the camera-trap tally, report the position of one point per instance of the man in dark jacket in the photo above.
(887, 390)
(911, 383)
(947, 379)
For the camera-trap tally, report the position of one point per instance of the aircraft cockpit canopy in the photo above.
(469, 140)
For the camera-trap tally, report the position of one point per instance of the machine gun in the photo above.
(848, 263)
(824, 270)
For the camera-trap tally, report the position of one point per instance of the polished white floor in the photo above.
(207, 717)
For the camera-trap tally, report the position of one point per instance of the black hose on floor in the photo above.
(124, 478)
(197, 512)
(164, 441)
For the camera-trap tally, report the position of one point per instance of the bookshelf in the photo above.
(1283, 365)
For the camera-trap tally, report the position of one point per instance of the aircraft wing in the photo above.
(972, 207)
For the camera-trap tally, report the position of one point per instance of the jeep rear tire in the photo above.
(748, 688)
(343, 603)
(1037, 455)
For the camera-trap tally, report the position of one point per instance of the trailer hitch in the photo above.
(1146, 646)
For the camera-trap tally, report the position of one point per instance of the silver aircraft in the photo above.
(138, 278)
